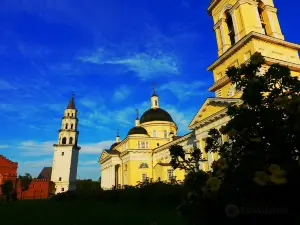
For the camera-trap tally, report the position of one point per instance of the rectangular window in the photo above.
(62, 189)
(143, 144)
(144, 177)
(139, 144)
(59, 179)
(62, 153)
(147, 145)
(170, 174)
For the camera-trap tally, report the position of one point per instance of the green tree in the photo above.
(7, 189)
(187, 160)
(24, 182)
(260, 161)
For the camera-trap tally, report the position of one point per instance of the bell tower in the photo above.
(66, 151)
(242, 28)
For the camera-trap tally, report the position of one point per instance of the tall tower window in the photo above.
(71, 126)
(154, 133)
(165, 134)
(155, 102)
(231, 33)
(64, 141)
(71, 141)
(72, 114)
(66, 126)
(139, 144)
(68, 114)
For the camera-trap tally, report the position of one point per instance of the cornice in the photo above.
(218, 24)
(246, 39)
(211, 6)
(213, 117)
(220, 83)
(169, 144)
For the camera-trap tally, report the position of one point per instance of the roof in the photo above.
(45, 173)
(8, 160)
(176, 137)
(137, 130)
(71, 104)
(113, 145)
(156, 114)
(113, 152)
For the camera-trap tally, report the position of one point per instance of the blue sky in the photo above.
(109, 52)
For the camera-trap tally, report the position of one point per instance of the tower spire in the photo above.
(118, 136)
(137, 120)
(154, 91)
(154, 98)
(71, 104)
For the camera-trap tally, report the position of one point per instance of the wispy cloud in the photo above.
(34, 148)
(96, 148)
(38, 163)
(147, 65)
(121, 93)
(184, 90)
(4, 146)
(5, 85)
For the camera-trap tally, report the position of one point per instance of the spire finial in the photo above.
(137, 113)
(153, 85)
(71, 104)
(118, 130)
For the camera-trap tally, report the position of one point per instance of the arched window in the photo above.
(71, 126)
(154, 133)
(71, 141)
(165, 134)
(260, 13)
(66, 126)
(143, 144)
(231, 33)
(139, 144)
(64, 141)
(143, 166)
(155, 102)
(68, 114)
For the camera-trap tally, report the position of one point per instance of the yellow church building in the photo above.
(242, 27)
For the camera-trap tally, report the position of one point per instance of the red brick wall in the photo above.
(39, 188)
(7, 166)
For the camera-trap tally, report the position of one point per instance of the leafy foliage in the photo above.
(25, 181)
(8, 190)
(260, 161)
(188, 161)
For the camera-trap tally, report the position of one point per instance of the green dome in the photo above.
(156, 114)
(137, 130)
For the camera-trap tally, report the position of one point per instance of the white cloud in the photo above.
(95, 148)
(184, 90)
(33, 148)
(147, 65)
(38, 163)
(4, 146)
(4, 85)
(122, 93)
(88, 103)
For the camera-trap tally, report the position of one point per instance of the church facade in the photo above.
(242, 28)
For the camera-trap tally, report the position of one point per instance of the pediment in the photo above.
(104, 155)
(210, 107)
